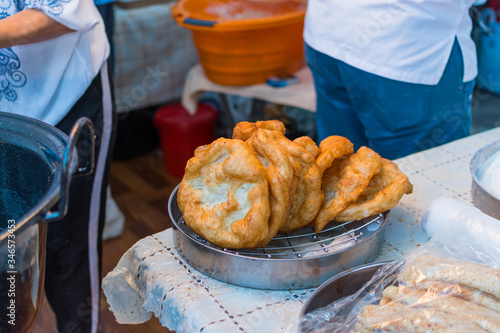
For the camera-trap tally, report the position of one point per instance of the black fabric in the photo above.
(67, 278)
(136, 133)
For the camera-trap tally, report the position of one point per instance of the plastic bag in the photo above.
(452, 283)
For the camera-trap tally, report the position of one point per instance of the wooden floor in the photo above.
(141, 189)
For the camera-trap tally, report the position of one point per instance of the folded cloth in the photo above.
(151, 278)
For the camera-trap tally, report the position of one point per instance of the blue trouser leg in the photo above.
(397, 118)
(335, 114)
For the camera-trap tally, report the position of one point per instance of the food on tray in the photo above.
(331, 149)
(466, 273)
(309, 145)
(244, 130)
(277, 163)
(467, 293)
(306, 196)
(344, 182)
(224, 194)
(437, 294)
(383, 192)
(396, 317)
(240, 192)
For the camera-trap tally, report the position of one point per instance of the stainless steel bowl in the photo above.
(298, 260)
(481, 198)
(341, 285)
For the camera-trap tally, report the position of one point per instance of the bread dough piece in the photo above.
(245, 129)
(277, 162)
(433, 299)
(475, 296)
(305, 194)
(396, 317)
(224, 195)
(309, 145)
(331, 148)
(344, 182)
(467, 273)
(383, 193)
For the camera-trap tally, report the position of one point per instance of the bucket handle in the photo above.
(69, 168)
(202, 23)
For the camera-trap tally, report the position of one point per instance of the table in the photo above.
(151, 278)
(301, 94)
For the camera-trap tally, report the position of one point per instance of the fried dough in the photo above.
(331, 148)
(306, 194)
(476, 296)
(433, 299)
(277, 162)
(309, 145)
(244, 130)
(383, 193)
(343, 183)
(467, 273)
(224, 195)
(396, 317)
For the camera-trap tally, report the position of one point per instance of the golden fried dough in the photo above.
(396, 317)
(306, 195)
(309, 145)
(277, 162)
(433, 299)
(472, 295)
(224, 195)
(331, 148)
(344, 182)
(383, 193)
(244, 130)
(466, 273)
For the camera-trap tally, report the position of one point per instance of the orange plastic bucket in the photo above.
(243, 42)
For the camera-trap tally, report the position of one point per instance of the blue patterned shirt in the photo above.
(44, 80)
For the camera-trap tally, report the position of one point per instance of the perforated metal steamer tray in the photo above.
(297, 260)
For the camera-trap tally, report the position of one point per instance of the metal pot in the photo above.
(341, 285)
(37, 162)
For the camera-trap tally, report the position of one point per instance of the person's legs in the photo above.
(450, 104)
(73, 251)
(402, 118)
(334, 110)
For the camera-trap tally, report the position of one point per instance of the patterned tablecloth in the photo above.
(151, 278)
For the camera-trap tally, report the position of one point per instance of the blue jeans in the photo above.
(393, 118)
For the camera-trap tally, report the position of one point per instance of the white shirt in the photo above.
(44, 80)
(403, 40)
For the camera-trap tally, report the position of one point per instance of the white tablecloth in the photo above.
(152, 278)
(301, 94)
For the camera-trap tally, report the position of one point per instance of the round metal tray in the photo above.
(297, 260)
(481, 198)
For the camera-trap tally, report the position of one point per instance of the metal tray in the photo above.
(297, 260)
(481, 198)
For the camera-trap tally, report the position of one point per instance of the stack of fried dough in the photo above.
(436, 294)
(240, 192)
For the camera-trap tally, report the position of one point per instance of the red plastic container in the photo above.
(181, 133)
